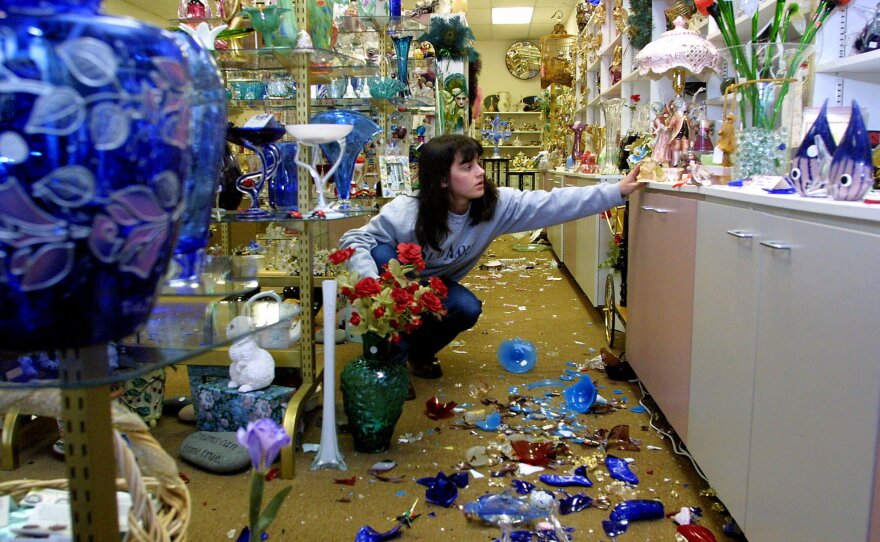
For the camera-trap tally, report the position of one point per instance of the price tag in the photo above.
(717, 155)
(259, 121)
(768, 182)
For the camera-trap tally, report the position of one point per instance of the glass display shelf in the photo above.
(383, 104)
(284, 216)
(209, 286)
(348, 24)
(178, 330)
(321, 62)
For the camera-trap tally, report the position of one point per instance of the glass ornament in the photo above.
(95, 148)
(517, 355)
(852, 169)
(814, 154)
(260, 140)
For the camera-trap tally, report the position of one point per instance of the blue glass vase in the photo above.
(286, 186)
(94, 152)
(208, 122)
(365, 129)
(401, 49)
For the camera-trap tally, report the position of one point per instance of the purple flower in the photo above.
(263, 439)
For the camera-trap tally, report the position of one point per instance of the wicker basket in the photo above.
(168, 523)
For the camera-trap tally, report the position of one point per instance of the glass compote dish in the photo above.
(260, 140)
(265, 20)
(504, 510)
(311, 136)
(611, 110)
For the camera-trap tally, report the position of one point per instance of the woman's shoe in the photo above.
(426, 369)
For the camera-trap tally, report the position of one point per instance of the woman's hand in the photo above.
(628, 184)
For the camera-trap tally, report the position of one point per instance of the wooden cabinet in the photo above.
(723, 349)
(785, 308)
(817, 351)
(662, 231)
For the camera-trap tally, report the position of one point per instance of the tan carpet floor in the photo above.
(529, 298)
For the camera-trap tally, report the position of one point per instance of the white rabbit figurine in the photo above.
(252, 367)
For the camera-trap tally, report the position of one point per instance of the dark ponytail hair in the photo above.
(436, 158)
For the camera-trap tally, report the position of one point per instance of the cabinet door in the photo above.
(661, 273)
(587, 256)
(723, 348)
(817, 385)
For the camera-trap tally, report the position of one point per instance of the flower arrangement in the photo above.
(395, 302)
(751, 64)
(263, 439)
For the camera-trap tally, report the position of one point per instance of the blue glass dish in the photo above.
(94, 153)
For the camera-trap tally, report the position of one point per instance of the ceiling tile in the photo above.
(509, 31)
(482, 32)
(512, 3)
(479, 16)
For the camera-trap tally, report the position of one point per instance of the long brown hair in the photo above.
(436, 159)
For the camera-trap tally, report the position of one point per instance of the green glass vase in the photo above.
(373, 392)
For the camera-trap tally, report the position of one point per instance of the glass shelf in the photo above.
(284, 216)
(320, 62)
(392, 25)
(177, 331)
(209, 286)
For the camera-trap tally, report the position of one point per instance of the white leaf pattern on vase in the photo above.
(67, 186)
(109, 126)
(60, 112)
(92, 62)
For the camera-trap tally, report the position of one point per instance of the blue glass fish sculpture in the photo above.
(814, 154)
(852, 171)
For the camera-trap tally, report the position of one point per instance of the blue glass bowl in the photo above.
(385, 87)
(517, 355)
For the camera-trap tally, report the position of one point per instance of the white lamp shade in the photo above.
(678, 48)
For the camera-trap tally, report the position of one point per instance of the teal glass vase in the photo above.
(373, 392)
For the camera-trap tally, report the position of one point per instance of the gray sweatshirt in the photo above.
(460, 251)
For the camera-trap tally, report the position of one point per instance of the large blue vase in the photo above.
(94, 152)
(207, 144)
(365, 129)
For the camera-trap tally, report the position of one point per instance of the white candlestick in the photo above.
(329, 456)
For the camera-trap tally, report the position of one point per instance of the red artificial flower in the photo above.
(439, 287)
(394, 323)
(355, 319)
(401, 296)
(412, 288)
(367, 287)
(431, 302)
(340, 256)
(409, 327)
(410, 253)
(635, 98)
(386, 276)
(703, 6)
(379, 312)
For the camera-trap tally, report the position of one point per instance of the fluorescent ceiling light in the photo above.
(512, 15)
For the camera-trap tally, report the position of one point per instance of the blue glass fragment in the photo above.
(565, 480)
(574, 503)
(619, 470)
(369, 534)
(637, 509)
(523, 487)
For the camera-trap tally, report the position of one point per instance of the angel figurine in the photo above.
(679, 131)
(660, 131)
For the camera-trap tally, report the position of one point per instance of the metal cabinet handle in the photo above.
(660, 211)
(776, 245)
(740, 234)
(646, 208)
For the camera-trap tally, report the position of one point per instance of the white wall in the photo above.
(495, 77)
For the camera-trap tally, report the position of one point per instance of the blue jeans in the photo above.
(463, 309)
